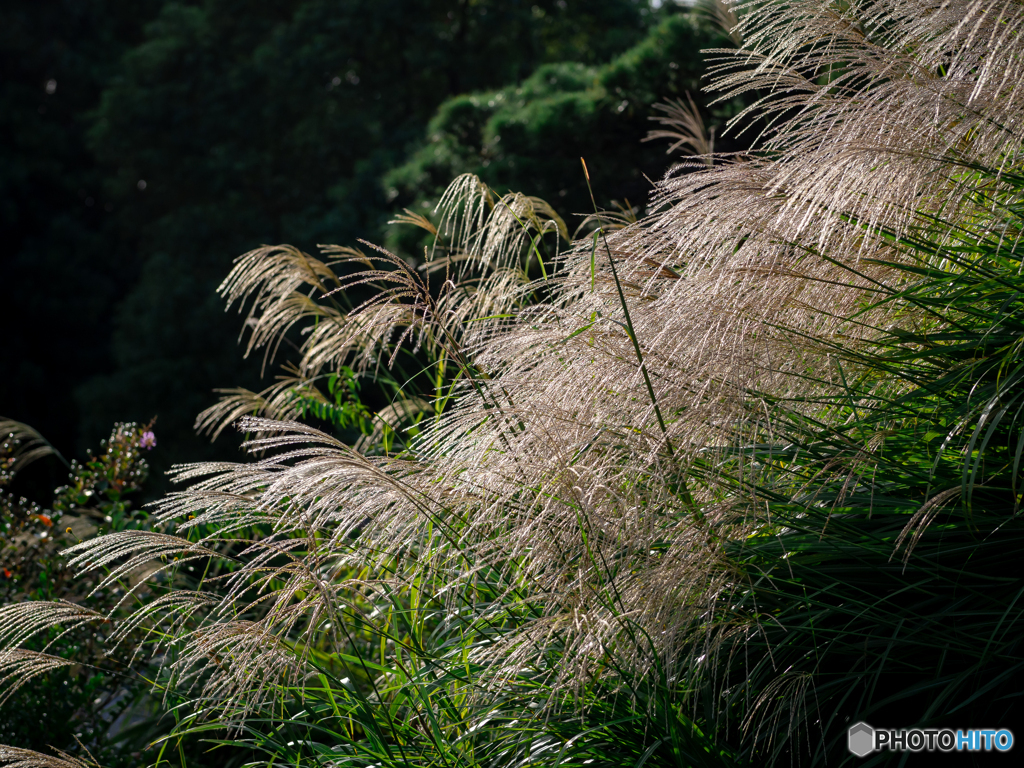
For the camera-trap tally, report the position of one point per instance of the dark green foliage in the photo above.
(862, 601)
(532, 135)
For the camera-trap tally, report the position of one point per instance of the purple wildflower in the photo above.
(147, 441)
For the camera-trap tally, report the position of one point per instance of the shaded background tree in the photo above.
(202, 129)
(62, 263)
(530, 135)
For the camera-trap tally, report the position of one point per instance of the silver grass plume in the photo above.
(14, 757)
(683, 126)
(30, 445)
(483, 247)
(20, 622)
(18, 667)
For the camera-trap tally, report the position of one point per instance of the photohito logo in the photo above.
(862, 739)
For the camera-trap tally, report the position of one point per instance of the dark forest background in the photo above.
(145, 144)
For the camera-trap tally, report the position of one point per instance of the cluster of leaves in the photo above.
(342, 408)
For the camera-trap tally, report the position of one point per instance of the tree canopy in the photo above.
(185, 133)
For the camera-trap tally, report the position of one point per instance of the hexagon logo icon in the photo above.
(861, 739)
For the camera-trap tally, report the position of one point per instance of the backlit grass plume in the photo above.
(693, 491)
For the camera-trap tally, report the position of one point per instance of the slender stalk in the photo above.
(681, 486)
(629, 321)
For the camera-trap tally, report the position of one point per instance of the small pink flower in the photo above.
(147, 441)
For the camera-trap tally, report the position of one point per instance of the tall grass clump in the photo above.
(702, 488)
